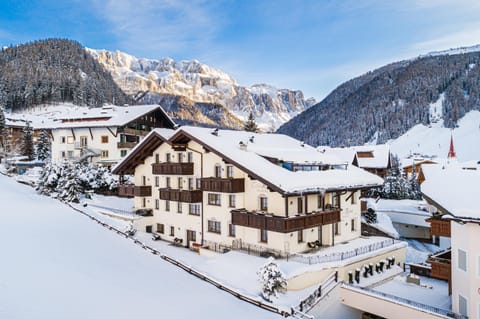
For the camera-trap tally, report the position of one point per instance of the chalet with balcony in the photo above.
(101, 135)
(244, 190)
(453, 192)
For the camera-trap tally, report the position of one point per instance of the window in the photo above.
(63, 139)
(104, 153)
(123, 153)
(168, 158)
(144, 180)
(104, 139)
(320, 201)
(299, 205)
(300, 236)
(167, 182)
(199, 183)
(194, 209)
(70, 154)
(231, 230)
(214, 227)
(179, 207)
(62, 154)
(214, 199)
(263, 235)
(462, 305)
(230, 171)
(144, 202)
(263, 203)
(190, 157)
(180, 183)
(172, 231)
(335, 200)
(231, 200)
(190, 183)
(157, 181)
(337, 228)
(157, 158)
(83, 141)
(70, 140)
(180, 157)
(160, 228)
(462, 260)
(167, 205)
(218, 171)
(157, 204)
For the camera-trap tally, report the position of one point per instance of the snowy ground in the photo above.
(418, 252)
(57, 263)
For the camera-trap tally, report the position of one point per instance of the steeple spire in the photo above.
(451, 151)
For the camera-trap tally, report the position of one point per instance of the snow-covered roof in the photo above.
(70, 116)
(406, 211)
(455, 189)
(380, 154)
(250, 158)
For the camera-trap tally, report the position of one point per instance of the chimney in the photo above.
(215, 132)
(243, 146)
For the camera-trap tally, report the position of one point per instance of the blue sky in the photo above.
(309, 45)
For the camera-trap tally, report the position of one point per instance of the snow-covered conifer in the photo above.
(371, 216)
(250, 125)
(27, 148)
(272, 279)
(43, 146)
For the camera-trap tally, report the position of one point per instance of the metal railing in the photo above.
(338, 256)
(314, 298)
(407, 302)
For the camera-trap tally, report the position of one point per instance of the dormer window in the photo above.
(168, 157)
(218, 171)
(230, 171)
(263, 203)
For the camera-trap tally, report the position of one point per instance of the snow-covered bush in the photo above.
(272, 280)
(371, 216)
(68, 181)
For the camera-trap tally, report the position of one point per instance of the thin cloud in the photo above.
(169, 27)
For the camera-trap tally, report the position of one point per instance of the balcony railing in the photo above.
(126, 190)
(281, 224)
(185, 196)
(172, 168)
(143, 191)
(132, 131)
(126, 144)
(223, 185)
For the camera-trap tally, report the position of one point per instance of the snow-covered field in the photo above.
(57, 263)
(434, 140)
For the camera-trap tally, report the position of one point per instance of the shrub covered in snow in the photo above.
(371, 216)
(68, 181)
(272, 279)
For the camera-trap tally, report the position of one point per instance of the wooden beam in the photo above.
(114, 134)
(91, 134)
(73, 133)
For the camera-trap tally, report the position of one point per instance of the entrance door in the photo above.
(191, 237)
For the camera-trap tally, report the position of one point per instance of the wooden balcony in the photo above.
(280, 224)
(126, 190)
(223, 185)
(143, 191)
(179, 195)
(132, 131)
(172, 168)
(439, 227)
(126, 144)
(441, 267)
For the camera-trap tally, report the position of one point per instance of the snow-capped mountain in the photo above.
(201, 83)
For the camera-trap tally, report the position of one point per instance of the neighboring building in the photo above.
(409, 164)
(373, 158)
(242, 190)
(455, 193)
(102, 135)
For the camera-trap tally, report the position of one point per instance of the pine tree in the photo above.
(371, 216)
(43, 146)
(272, 279)
(3, 131)
(69, 185)
(250, 125)
(415, 191)
(27, 142)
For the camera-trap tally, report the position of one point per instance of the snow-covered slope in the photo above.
(434, 140)
(460, 50)
(57, 264)
(202, 83)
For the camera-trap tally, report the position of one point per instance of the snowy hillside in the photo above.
(57, 263)
(202, 83)
(434, 140)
